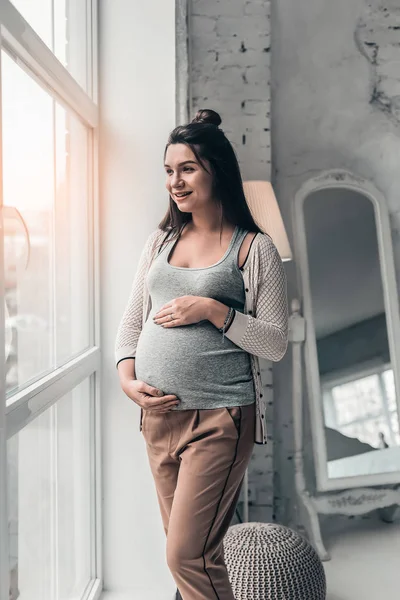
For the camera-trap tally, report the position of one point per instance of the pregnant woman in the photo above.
(208, 299)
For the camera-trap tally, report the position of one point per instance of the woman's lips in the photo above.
(180, 198)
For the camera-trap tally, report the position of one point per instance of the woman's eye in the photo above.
(185, 169)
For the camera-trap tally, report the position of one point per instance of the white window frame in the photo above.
(20, 41)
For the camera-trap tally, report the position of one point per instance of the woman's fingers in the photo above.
(164, 408)
(162, 403)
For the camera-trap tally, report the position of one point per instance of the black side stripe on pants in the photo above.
(219, 502)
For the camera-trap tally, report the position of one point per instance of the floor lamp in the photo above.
(264, 208)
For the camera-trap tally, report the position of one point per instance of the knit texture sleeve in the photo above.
(266, 333)
(131, 322)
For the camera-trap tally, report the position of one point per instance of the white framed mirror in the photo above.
(352, 347)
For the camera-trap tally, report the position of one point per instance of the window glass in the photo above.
(46, 230)
(62, 25)
(388, 378)
(49, 475)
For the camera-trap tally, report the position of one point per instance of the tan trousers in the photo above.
(198, 459)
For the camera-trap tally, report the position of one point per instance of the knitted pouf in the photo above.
(267, 561)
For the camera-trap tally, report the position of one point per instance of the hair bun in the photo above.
(206, 115)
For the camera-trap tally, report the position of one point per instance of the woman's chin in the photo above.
(182, 207)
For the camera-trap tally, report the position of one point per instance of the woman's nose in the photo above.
(176, 181)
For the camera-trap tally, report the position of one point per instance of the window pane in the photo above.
(62, 25)
(395, 426)
(357, 399)
(50, 502)
(45, 185)
(388, 378)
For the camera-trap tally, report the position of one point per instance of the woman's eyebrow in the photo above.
(184, 163)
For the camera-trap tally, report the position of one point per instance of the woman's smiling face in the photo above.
(185, 174)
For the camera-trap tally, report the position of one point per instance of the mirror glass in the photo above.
(361, 422)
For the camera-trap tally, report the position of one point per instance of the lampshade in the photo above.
(264, 208)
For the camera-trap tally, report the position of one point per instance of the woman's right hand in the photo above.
(149, 397)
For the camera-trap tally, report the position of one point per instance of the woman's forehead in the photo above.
(179, 152)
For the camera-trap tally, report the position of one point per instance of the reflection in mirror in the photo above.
(361, 421)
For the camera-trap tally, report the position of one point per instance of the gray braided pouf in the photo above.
(267, 561)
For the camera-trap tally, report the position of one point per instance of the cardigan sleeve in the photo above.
(131, 322)
(266, 333)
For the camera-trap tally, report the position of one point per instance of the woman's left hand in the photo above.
(185, 310)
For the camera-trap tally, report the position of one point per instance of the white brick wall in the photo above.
(230, 73)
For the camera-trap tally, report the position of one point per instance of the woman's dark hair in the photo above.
(207, 141)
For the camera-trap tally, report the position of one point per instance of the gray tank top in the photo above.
(191, 361)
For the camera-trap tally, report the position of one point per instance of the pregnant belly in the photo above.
(180, 360)
(167, 357)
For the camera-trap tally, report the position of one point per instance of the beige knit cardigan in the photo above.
(261, 330)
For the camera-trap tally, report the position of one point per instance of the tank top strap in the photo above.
(239, 237)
